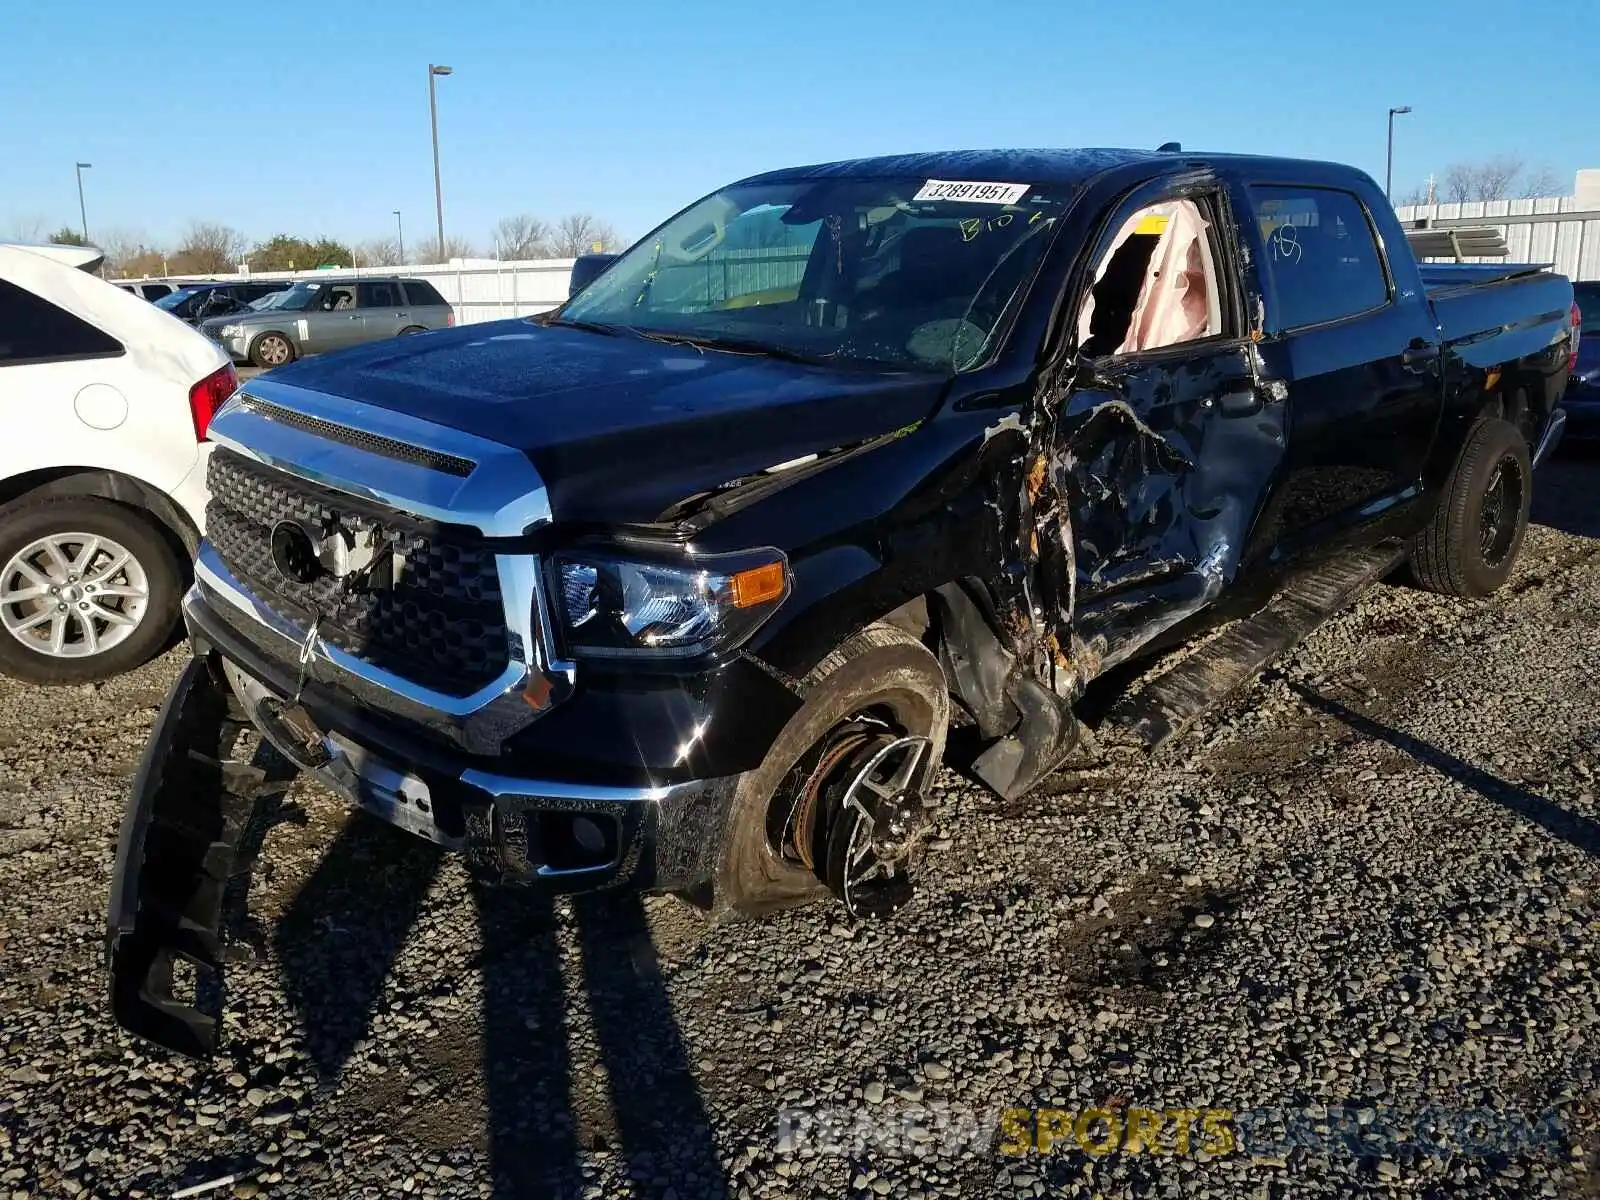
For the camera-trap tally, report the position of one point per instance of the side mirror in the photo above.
(585, 269)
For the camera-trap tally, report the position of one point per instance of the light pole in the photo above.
(83, 213)
(1388, 170)
(433, 116)
(400, 234)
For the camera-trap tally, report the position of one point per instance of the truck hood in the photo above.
(620, 427)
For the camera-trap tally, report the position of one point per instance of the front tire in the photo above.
(881, 672)
(271, 349)
(1470, 546)
(89, 589)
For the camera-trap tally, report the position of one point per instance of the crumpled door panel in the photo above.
(1156, 472)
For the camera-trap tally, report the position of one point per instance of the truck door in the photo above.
(1166, 444)
(1358, 360)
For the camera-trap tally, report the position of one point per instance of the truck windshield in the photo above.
(906, 273)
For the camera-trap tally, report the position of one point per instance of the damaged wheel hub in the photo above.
(874, 823)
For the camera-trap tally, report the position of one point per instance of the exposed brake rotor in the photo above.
(800, 833)
(875, 820)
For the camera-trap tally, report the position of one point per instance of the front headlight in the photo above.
(618, 607)
(229, 331)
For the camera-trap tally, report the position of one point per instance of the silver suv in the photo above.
(326, 314)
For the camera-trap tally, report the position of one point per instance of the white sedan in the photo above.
(105, 401)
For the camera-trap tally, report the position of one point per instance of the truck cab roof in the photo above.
(1069, 166)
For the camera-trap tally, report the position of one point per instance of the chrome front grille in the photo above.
(441, 625)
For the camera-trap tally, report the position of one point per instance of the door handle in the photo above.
(352, 317)
(1242, 400)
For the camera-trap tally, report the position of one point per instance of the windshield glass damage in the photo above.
(908, 273)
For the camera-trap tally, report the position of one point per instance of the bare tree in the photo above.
(522, 236)
(378, 252)
(1541, 182)
(123, 247)
(1414, 198)
(1503, 177)
(580, 233)
(28, 227)
(208, 249)
(454, 247)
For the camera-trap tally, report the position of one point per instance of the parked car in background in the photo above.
(200, 301)
(1583, 392)
(329, 314)
(147, 289)
(106, 402)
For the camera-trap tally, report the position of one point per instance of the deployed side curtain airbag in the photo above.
(1173, 304)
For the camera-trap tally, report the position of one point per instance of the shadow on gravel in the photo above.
(1580, 831)
(546, 1104)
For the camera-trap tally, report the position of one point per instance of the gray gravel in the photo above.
(1369, 889)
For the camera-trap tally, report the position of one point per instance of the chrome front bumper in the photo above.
(562, 836)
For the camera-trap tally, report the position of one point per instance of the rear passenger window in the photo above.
(378, 295)
(34, 330)
(1321, 254)
(423, 293)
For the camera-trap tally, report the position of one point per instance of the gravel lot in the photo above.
(1372, 885)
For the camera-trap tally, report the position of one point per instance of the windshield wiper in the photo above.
(586, 326)
(729, 345)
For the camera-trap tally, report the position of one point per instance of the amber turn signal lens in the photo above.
(758, 585)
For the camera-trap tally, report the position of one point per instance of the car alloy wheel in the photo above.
(73, 595)
(273, 349)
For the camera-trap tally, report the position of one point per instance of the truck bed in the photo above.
(1444, 278)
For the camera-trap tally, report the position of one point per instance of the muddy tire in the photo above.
(882, 669)
(1471, 544)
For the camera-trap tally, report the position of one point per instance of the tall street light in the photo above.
(83, 213)
(400, 233)
(433, 115)
(1388, 171)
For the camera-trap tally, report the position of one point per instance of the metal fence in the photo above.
(478, 289)
(487, 290)
(1538, 231)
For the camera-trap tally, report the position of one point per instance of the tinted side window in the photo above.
(378, 295)
(422, 292)
(34, 330)
(1320, 252)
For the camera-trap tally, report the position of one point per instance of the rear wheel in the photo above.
(271, 350)
(838, 806)
(88, 589)
(1472, 542)
(409, 329)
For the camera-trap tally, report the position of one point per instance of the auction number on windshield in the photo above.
(972, 191)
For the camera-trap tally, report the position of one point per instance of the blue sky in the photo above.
(313, 119)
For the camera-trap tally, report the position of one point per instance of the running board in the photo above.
(1164, 707)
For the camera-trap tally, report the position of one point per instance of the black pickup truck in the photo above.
(681, 586)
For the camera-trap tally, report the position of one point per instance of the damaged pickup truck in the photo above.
(681, 586)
